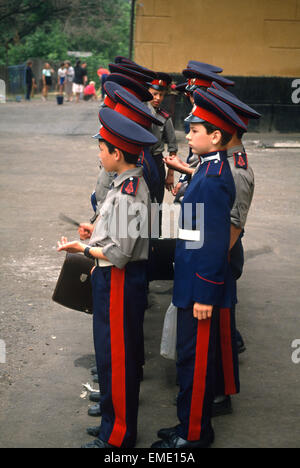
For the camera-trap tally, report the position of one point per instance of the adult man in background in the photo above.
(30, 80)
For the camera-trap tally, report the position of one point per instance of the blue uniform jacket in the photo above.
(202, 270)
(151, 175)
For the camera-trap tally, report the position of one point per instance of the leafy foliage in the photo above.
(49, 28)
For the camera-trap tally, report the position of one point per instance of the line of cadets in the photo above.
(132, 138)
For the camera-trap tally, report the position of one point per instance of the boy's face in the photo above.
(108, 160)
(158, 97)
(199, 140)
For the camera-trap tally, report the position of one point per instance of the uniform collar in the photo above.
(235, 149)
(138, 172)
(215, 156)
(155, 112)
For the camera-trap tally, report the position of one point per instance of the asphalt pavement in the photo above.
(48, 165)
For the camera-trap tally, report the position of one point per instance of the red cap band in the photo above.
(215, 120)
(132, 115)
(109, 102)
(130, 148)
(199, 82)
(162, 83)
(243, 119)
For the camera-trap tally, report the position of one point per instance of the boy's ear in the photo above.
(119, 154)
(216, 137)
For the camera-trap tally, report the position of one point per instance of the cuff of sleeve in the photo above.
(115, 256)
(208, 292)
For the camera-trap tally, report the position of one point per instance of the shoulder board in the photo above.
(140, 160)
(214, 168)
(130, 186)
(163, 113)
(240, 160)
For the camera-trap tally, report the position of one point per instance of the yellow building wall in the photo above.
(245, 37)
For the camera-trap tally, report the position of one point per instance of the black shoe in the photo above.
(97, 444)
(241, 348)
(141, 374)
(93, 431)
(95, 411)
(95, 378)
(94, 370)
(176, 442)
(166, 433)
(95, 397)
(221, 406)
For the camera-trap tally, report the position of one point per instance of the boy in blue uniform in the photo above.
(203, 286)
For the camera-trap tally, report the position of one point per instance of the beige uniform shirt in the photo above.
(244, 184)
(104, 182)
(123, 225)
(165, 134)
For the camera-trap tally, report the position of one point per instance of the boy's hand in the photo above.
(71, 247)
(202, 311)
(175, 164)
(85, 231)
(170, 180)
(176, 189)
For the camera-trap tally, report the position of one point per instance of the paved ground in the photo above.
(49, 165)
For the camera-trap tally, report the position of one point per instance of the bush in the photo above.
(48, 42)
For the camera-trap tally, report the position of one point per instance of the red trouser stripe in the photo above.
(118, 356)
(199, 383)
(227, 354)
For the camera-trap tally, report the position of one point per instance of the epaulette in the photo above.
(130, 186)
(141, 159)
(240, 160)
(214, 168)
(163, 113)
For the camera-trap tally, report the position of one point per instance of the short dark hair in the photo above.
(240, 133)
(129, 158)
(210, 128)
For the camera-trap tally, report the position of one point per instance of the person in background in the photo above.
(47, 80)
(69, 81)
(30, 80)
(61, 77)
(103, 75)
(80, 78)
(85, 73)
(90, 92)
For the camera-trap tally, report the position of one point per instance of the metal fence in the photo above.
(16, 79)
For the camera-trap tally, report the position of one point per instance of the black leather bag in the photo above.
(73, 289)
(161, 259)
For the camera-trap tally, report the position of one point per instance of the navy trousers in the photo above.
(119, 301)
(160, 192)
(207, 366)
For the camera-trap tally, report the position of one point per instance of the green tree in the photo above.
(48, 42)
(48, 28)
(20, 19)
(100, 26)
